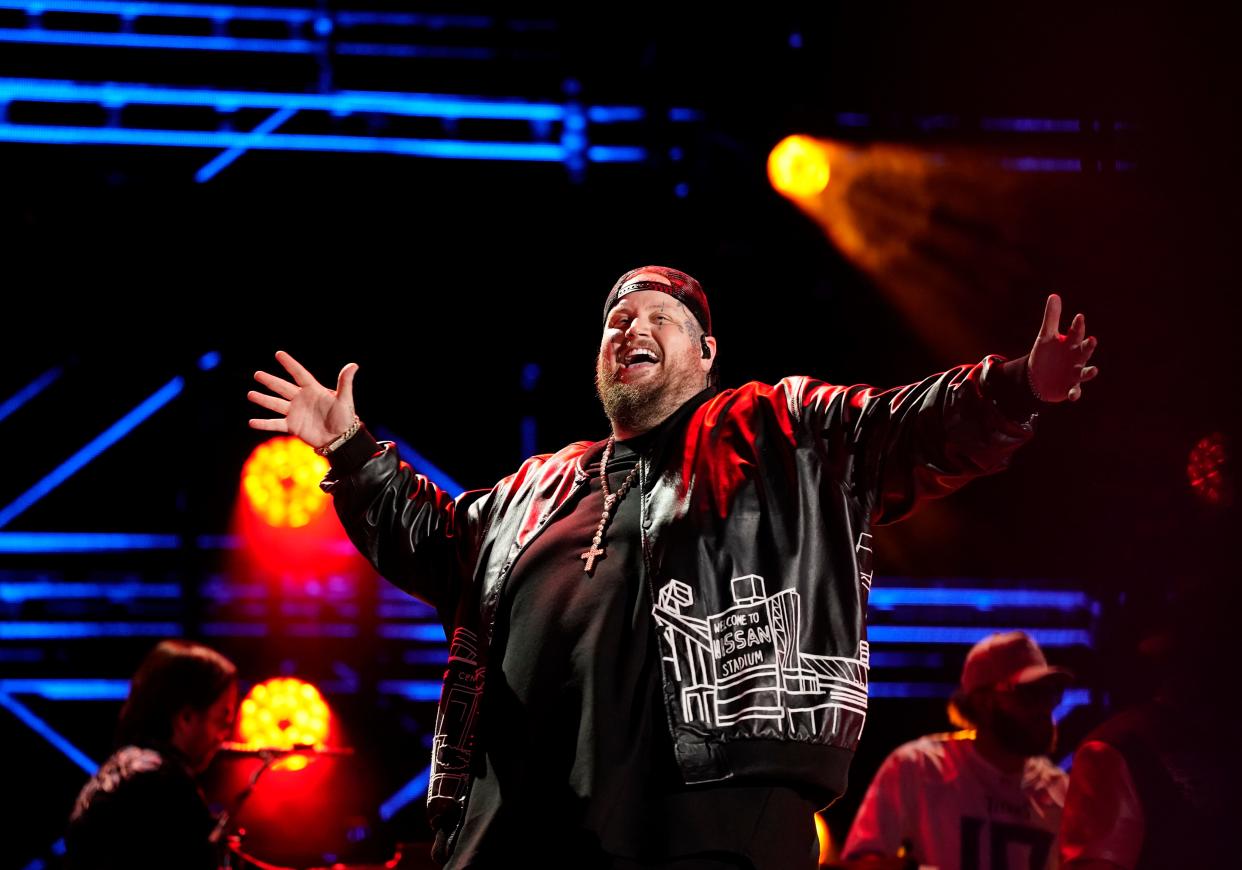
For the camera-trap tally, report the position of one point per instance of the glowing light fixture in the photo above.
(798, 167)
(284, 713)
(281, 481)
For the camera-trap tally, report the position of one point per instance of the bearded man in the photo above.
(657, 644)
(987, 799)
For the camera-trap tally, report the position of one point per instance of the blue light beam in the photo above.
(106, 439)
(28, 392)
(412, 790)
(37, 725)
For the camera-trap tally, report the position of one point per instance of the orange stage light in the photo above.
(798, 167)
(281, 482)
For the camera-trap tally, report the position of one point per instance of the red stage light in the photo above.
(283, 713)
(1208, 470)
(281, 482)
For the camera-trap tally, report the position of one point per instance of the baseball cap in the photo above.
(1007, 658)
(684, 289)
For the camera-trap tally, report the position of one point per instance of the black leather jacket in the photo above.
(755, 515)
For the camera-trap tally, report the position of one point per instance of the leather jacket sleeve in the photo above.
(415, 535)
(895, 447)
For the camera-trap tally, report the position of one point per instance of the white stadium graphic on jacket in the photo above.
(744, 662)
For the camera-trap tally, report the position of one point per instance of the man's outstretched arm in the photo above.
(415, 535)
(895, 447)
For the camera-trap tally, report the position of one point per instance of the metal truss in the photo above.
(227, 28)
(327, 119)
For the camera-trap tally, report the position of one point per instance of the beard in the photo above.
(628, 405)
(644, 405)
(1023, 736)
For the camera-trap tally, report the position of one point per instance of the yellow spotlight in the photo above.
(282, 713)
(281, 481)
(798, 167)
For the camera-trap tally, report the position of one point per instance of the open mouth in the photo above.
(638, 358)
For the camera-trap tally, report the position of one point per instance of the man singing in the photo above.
(658, 651)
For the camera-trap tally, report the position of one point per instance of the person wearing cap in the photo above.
(657, 644)
(983, 800)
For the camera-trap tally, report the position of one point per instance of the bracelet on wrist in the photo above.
(1030, 382)
(342, 438)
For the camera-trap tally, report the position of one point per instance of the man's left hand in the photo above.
(1058, 363)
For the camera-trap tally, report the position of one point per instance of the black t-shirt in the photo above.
(579, 765)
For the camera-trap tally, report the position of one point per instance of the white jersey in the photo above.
(957, 811)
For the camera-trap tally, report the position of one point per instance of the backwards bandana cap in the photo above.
(684, 289)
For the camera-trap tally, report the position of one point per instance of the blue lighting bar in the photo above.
(223, 12)
(615, 114)
(234, 629)
(969, 635)
(1043, 164)
(28, 392)
(321, 629)
(413, 609)
(345, 102)
(173, 42)
(429, 633)
(571, 149)
(81, 630)
(102, 442)
(415, 690)
(387, 49)
(880, 689)
(438, 148)
(127, 9)
(887, 597)
(179, 42)
(411, 791)
(435, 20)
(68, 690)
(905, 659)
(317, 26)
(616, 154)
(1031, 125)
(83, 542)
(127, 591)
(37, 725)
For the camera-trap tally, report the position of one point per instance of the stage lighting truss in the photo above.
(313, 116)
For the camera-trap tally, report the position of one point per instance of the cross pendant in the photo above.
(590, 555)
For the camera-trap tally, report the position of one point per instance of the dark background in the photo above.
(445, 279)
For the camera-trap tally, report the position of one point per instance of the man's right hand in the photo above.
(308, 409)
